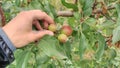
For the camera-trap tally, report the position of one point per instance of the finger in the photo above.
(39, 34)
(37, 14)
(45, 24)
(37, 25)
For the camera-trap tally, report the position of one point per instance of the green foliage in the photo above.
(70, 5)
(87, 47)
(118, 12)
(82, 45)
(86, 7)
(116, 34)
(101, 46)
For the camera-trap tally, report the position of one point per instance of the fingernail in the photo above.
(51, 33)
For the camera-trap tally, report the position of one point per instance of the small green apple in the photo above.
(62, 38)
(52, 27)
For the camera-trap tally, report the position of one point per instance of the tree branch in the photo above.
(3, 20)
(99, 10)
(70, 13)
(75, 1)
(65, 13)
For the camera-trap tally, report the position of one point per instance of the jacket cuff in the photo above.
(7, 40)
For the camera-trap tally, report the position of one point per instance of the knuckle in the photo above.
(44, 13)
(25, 14)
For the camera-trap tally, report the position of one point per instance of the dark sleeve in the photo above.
(6, 50)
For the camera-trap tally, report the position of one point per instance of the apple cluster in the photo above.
(65, 32)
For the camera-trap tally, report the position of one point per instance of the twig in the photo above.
(70, 13)
(110, 7)
(100, 10)
(75, 1)
(65, 13)
(94, 5)
(0, 1)
(3, 20)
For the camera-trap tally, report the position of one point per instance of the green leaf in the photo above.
(118, 12)
(36, 5)
(91, 22)
(23, 58)
(116, 35)
(82, 45)
(70, 5)
(107, 24)
(112, 54)
(50, 9)
(42, 58)
(101, 46)
(88, 4)
(77, 16)
(108, 32)
(67, 49)
(25, 1)
(82, 2)
(87, 7)
(71, 22)
(87, 12)
(51, 65)
(53, 11)
(85, 27)
(48, 46)
(17, 2)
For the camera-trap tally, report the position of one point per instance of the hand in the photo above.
(19, 29)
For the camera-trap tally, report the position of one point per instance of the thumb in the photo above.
(40, 34)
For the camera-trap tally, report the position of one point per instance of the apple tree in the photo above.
(87, 34)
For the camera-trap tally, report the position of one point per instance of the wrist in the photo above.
(7, 40)
(10, 34)
(6, 50)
